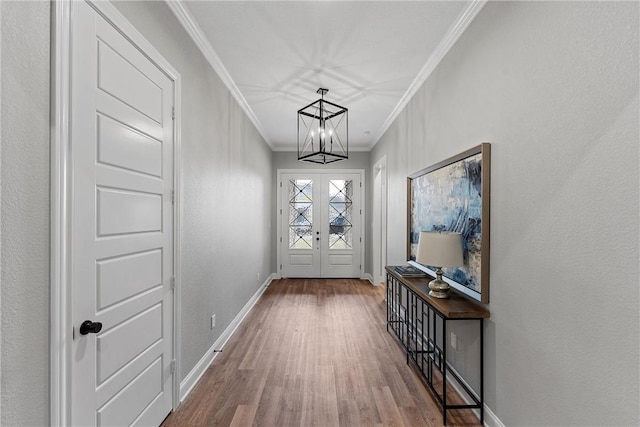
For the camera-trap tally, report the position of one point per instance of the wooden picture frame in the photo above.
(455, 195)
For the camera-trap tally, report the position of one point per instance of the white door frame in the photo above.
(61, 197)
(379, 228)
(361, 172)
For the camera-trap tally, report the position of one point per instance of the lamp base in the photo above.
(439, 288)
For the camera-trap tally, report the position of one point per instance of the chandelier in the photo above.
(323, 131)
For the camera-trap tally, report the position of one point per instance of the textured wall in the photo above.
(227, 189)
(554, 87)
(25, 212)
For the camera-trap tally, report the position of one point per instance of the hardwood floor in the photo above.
(313, 352)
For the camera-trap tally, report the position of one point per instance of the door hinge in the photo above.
(280, 184)
(280, 211)
(361, 240)
(173, 113)
(173, 283)
(360, 266)
(280, 266)
(360, 184)
(360, 211)
(173, 366)
(173, 197)
(280, 239)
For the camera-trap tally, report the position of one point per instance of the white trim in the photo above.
(201, 41)
(198, 371)
(490, 419)
(369, 278)
(363, 219)
(1, 212)
(197, 35)
(59, 323)
(363, 200)
(177, 210)
(1, 217)
(380, 165)
(453, 34)
(60, 292)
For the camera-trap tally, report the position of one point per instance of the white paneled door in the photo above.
(122, 140)
(321, 224)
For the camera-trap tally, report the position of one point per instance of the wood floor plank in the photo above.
(313, 352)
(387, 407)
(244, 415)
(254, 352)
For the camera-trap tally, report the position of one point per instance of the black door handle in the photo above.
(89, 327)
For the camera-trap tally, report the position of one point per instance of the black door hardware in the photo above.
(89, 327)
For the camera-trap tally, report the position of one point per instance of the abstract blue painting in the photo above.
(449, 197)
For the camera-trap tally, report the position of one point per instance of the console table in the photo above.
(412, 315)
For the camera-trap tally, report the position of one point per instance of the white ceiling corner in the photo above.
(372, 55)
(193, 29)
(455, 31)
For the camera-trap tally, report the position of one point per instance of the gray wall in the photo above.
(227, 189)
(554, 87)
(356, 160)
(24, 96)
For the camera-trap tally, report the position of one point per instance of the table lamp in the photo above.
(440, 249)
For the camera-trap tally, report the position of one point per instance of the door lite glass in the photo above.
(340, 214)
(300, 214)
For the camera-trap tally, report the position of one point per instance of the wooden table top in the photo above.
(456, 306)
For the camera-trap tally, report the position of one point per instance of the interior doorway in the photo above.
(379, 220)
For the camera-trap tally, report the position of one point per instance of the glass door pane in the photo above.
(340, 214)
(300, 214)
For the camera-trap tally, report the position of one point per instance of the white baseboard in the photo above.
(490, 419)
(196, 373)
(371, 280)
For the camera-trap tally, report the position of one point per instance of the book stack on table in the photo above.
(409, 271)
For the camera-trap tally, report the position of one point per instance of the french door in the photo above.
(320, 224)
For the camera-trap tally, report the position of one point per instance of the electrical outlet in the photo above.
(213, 321)
(454, 341)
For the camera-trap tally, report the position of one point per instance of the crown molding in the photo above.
(201, 41)
(453, 34)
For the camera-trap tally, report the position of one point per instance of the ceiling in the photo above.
(371, 55)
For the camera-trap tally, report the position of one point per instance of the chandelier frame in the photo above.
(331, 122)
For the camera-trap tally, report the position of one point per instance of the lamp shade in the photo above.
(440, 249)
